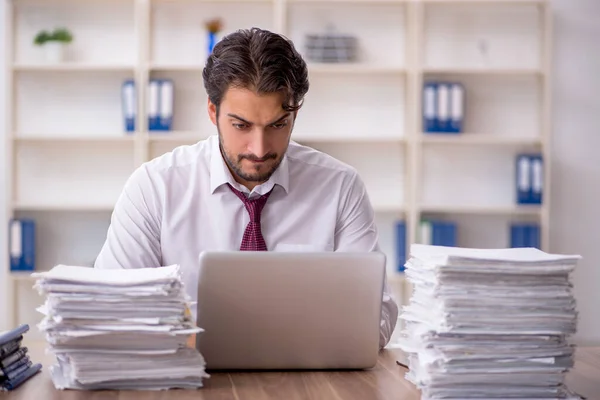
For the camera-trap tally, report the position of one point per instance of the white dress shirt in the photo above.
(177, 205)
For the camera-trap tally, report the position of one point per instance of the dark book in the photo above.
(8, 336)
(12, 384)
(12, 375)
(15, 365)
(10, 347)
(12, 357)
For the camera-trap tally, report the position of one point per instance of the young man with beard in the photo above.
(249, 187)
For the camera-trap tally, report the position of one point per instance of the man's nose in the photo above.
(258, 145)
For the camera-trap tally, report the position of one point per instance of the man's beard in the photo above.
(235, 163)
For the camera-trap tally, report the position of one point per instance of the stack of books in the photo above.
(489, 323)
(15, 364)
(119, 329)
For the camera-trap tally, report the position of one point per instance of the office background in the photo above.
(384, 157)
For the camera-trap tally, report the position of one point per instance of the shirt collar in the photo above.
(220, 174)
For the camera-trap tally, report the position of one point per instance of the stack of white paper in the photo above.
(485, 324)
(119, 329)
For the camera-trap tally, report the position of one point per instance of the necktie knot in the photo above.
(253, 239)
(255, 207)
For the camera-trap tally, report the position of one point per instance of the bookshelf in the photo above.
(69, 156)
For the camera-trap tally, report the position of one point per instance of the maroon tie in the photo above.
(253, 239)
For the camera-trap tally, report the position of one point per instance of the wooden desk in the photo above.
(385, 381)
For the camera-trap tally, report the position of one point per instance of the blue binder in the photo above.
(518, 235)
(22, 244)
(443, 107)
(400, 245)
(129, 104)
(442, 233)
(525, 234)
(437, 233)
(533, 233)
(166, 96)
(457, 107)
(449, 234)
(153, 104)
(429, 107)
(537, 178)
(523, 179)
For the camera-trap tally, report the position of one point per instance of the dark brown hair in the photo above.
(259, 60)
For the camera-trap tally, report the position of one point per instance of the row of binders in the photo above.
(16, 367)
(443, 107)
(161, 93)
(445, 233)
(22, 240)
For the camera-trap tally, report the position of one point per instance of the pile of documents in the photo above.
(15, 365)
(489, 323)
(119, 329)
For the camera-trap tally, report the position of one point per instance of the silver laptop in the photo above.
(286, 310)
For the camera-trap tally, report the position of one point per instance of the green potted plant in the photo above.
(54, 43)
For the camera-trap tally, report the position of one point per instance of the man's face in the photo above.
(254, 133)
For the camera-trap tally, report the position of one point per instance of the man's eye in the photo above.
(240, 126)
(280, 125)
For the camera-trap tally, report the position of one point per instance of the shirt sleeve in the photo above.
(356, 231)
(133, 237)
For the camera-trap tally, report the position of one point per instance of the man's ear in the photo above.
(212, 112)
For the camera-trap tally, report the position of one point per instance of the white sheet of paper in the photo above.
(110, 276)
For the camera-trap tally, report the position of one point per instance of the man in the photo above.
(250, 187)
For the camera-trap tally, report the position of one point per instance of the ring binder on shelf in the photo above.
(153, 104)
(165, 120)
(129, 104)
(22, 244)
(457, 107)
(429, 107)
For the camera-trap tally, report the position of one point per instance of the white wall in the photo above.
(575, 167)
(576, 162)
(3, 223)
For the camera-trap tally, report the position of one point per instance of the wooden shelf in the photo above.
(22, 276)
(313, 68)
(28, 3)
(74, 139)
(349, 139)
(197, 68)
(73, 67)
(397, 279)
(211, 1)
(66, 206)
(482, 71)
(369, 2)
(486, 2)
(354, 68)
(523, 210)
(175, 136)
(478, 139)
